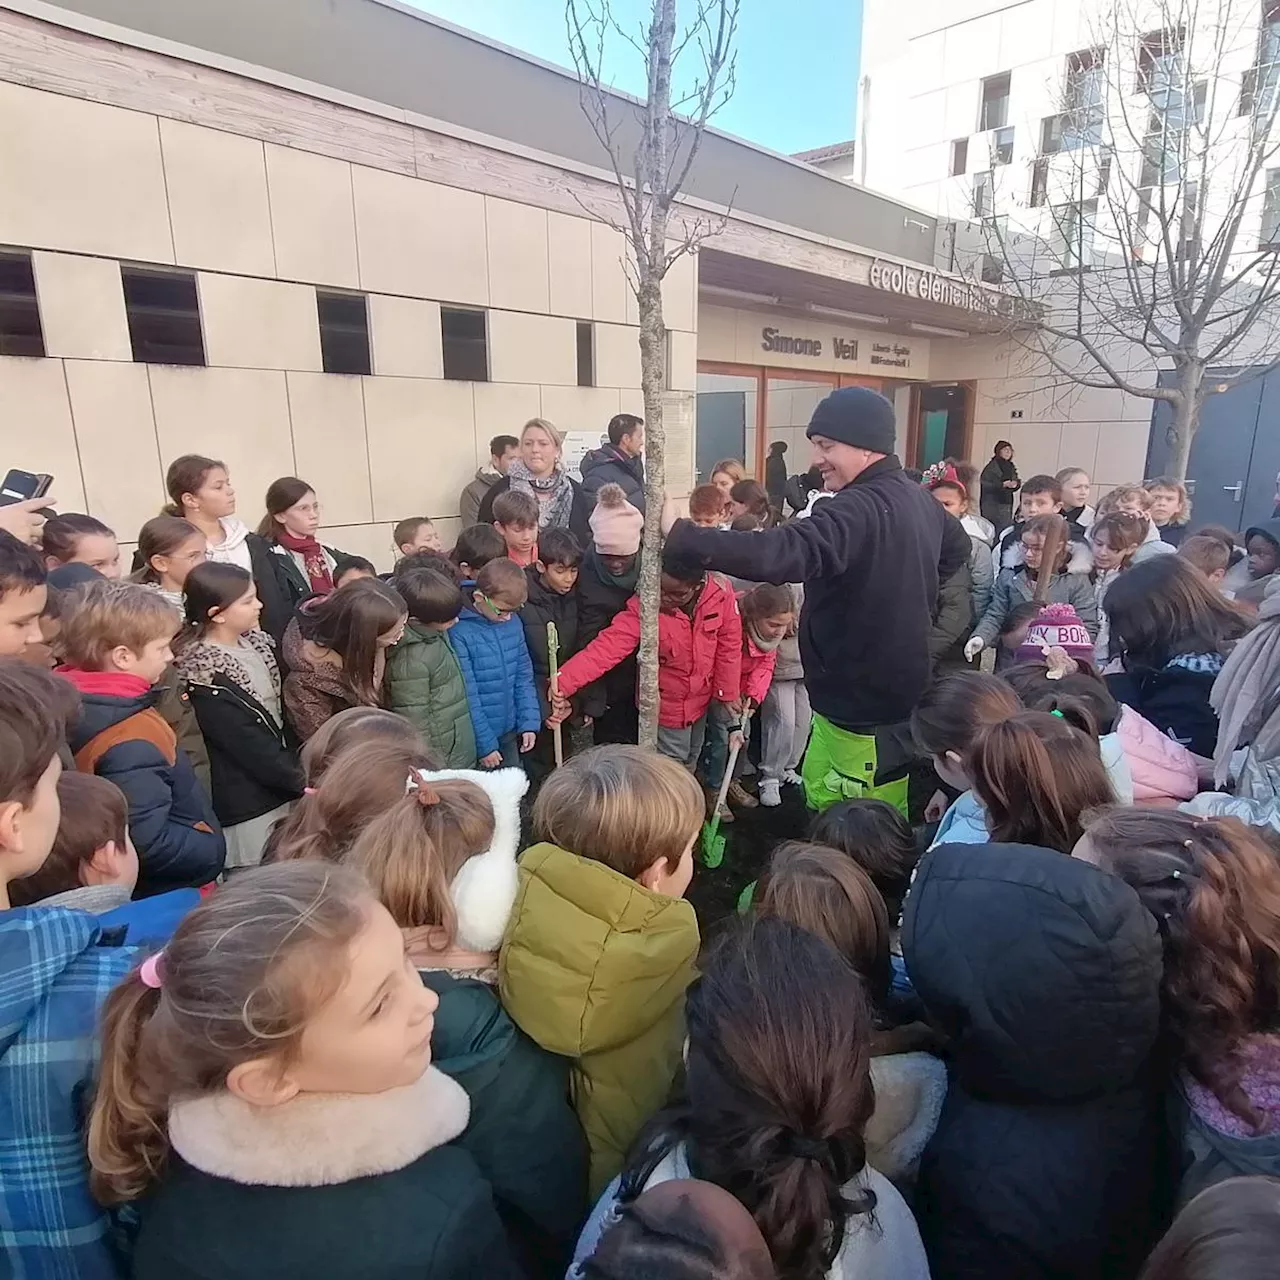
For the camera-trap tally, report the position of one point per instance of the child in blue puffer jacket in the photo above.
(496, 668)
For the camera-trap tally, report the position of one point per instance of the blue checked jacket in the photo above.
(56, 968)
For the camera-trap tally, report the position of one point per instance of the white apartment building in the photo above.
(1051, 116)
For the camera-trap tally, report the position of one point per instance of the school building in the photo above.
(352, 243)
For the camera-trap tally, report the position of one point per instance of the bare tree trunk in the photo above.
(1186, 418)
(671, 134)
(651, 263)
(653, 360)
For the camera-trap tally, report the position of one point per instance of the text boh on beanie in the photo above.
(856, 416)
(616, 525)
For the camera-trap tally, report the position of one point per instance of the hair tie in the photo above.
(308, 791)
(417, 784)
(1177, 875)
(800, 1148)
(1056, 712)
(1187, 844)
(150, 973)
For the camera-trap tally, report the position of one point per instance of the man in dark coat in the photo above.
(621, 461)
(1045, 973)
(872, 558)
(775, 474)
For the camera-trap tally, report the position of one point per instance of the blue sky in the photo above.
(797, 62)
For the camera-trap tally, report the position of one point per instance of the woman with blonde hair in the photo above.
(539, 470)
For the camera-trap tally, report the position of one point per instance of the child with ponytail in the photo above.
(775, 1106)
(267, 1094)
(234, 684)
(1035, 774)
(946, 722)
(169, 548)
(1213, 889)
(442, 860)
(360, 781)
(73, 538)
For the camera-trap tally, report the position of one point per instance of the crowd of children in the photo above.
(333, 946)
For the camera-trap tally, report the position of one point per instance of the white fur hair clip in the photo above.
(484, 890)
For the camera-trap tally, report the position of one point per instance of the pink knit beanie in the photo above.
(616, 525)
(1056, 626)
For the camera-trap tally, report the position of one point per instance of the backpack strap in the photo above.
(147, 725)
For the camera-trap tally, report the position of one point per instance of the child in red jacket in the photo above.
(768, 613)
(699, 654)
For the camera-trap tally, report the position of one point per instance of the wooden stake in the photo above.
(553, 662)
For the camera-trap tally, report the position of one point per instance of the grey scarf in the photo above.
(554, 512)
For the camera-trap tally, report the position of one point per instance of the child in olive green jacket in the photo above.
(601, 944)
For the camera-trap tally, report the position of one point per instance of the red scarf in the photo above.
(314, 563)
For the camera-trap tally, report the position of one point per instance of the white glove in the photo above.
(973, 647)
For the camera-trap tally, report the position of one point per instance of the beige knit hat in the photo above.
(616, 525)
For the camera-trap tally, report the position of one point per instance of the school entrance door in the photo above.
(1235, 456)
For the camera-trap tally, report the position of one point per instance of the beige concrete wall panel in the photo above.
(238, 415)
(80, 176)
(530, 348)
(609, 286)
(420, 239)
(116, 435)
(217, 184)
(1078, 446)
(569, 262)
(1122, 453)
(313, 220)
(259, 324)
(680, 293)
(422, 447)
(617, 355)
(405, 336)
(519, 271)
(326, 412)
(682, 352)
(35, 426)
(81, 307)
(373, 541)
(37, 54)
(579, 408)
(502, 409)
(631, 400)
(717, 333)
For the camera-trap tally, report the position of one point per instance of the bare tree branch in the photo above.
(663, 141)
(1167, 271)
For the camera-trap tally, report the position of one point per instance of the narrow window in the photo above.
(465, 341)
(586, 354)
(1002, 147)
(959, 157)
(344, 332)
(163, 310)
(20, 332)
(982, 194)
(1050, 135)
(1039, 182)
(1270, 233)
(994, 113)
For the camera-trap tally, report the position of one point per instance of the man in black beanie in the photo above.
(871, 558)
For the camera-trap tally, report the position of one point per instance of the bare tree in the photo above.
(1149, 239)
(651, 151)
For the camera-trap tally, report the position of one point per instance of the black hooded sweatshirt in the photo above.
(1045, 973)
(871, 558)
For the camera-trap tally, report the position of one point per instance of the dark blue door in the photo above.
(722, 429)
(1234, 457)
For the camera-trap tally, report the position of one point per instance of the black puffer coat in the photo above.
(1045, 973)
